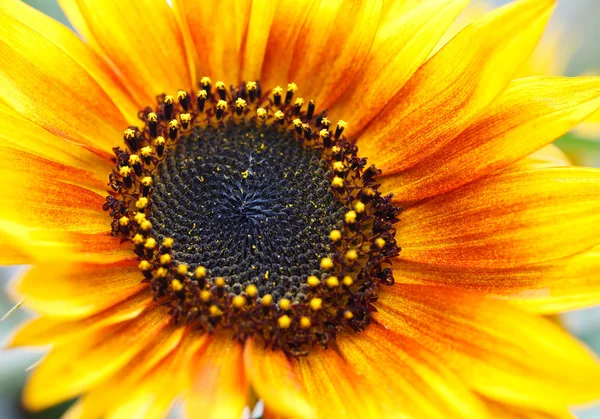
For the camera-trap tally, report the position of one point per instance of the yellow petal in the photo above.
(498, 350)
(140, 37)
(454, 86)
(545, 157)
(261, 17)
(47, 330)
(419, 384)
(44, 84)
(530, 114)
(401, 45)
(219, 388)
(287, 25)
(334, 55)
(83, 363)
(79, 289)
(75, 48)
(506, 411)
(274, 381)
(216, 29)
(506, 220)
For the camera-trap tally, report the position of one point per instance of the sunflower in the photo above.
(225, 201)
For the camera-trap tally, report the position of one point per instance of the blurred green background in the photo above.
(578, 20)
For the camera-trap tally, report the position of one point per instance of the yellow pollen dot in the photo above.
(304, 322)
(221, 105)
(146, 181)
(150, 243)
(279, 115)
(129, 134)
(160, 140)
(379, 242)
(138, 239)
(168, 242)
(202, 94)
(350, 217)
(348, 314)
(124, 221)
(335, 149)
(266, 300)
(267, 275)
(145, 265)
(323, 133)
(291, 87)
(335, 235)
(312, 281)
(325, 122)
(165, 259)
(185, 118)
(359, 207)
(284, 322)
(146, 151)
(134, 159)
(285, 304)
(139, 218)
(169, 99)
(250, 86)
(238, 301)
(347, 281)
(338, 166)
(205, 296)
(205, 81)
(342, 124)
(181, 94)
(146, 225)
(174, 124)
(182, 269)
(299, 102)
(277, 91)
(316, 304)
(176, 285)
(220, 85)
(251, 290)
(220, 282)
(261, 113)
(332, 282)
(125, 171)
(240, 103)
(297, 122)
(337, 182)
(141, 203)
(152, 117)
(200, 272)
(326, 263)
(161, 272)
(214, 311)
(351, 255)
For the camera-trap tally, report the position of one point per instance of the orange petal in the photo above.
(454, 86)
(505, 221)
(83, 363)
(147, 50)
(260, 19)
(47, 330)
(44, 84)
(274, 381)
(286, 27)
(336, 390)
(326, 59)
(219, 388)
(74, 47)
(217, 46)
(22, 134)
(506, 411)
(41, 194)
(530, 114)
(79, 289)
(401, 45)
(420, 385)
(498, 350)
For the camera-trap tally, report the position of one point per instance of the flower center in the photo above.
(251, 213)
